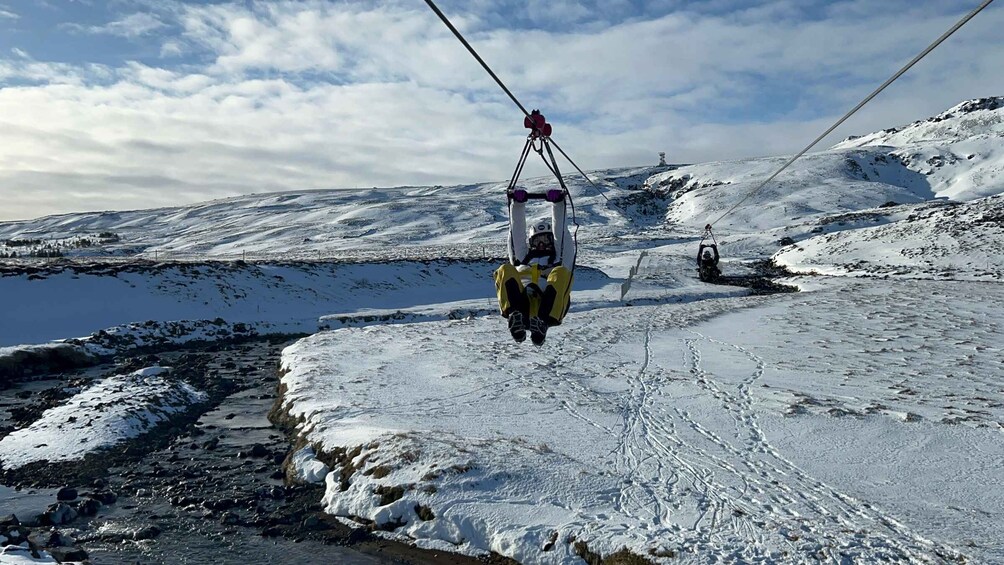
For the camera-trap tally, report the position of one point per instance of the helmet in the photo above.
(541, 232)
(543, 226)
(707, 254)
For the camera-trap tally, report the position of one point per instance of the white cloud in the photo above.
(131, 26)
(172, 49)
(314, 94)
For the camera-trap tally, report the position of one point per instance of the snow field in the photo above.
(668, 430)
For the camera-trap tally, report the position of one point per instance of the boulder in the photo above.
(103, 496)
(148, 532)
(64, 554)
(58, 514)
(9, 520)
(66, 494)
(88, 507)
(17, 535)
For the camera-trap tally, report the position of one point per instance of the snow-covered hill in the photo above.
(958, 242)
(426, 222)
(958, 155)
(960, 152)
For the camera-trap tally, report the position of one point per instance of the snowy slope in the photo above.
(958, 155)
(283, 297)
(960, 151)
(958, 242)
(745, 430)
(427, 222)
(819, 183)
(961, 154)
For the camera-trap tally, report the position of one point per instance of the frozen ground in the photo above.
(860, 421)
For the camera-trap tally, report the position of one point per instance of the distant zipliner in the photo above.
(707, 258)
(534, 287)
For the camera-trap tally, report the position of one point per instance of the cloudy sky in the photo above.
(122, 104)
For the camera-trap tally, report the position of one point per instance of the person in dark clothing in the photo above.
(707, 262)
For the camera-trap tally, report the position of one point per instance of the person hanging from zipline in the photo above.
(707, 263)
(707, 258)
(534, 287)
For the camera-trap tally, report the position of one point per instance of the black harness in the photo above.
(534, 254)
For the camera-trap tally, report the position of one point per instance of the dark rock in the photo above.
(357, 535)
(982, 104)
(58, 514)
(148, 532)
(786, 241)
(192, 473)
(259, 450)
(17, 534)
(64, 539)
(88, 507)
(229, 519)
(44, 538)
(103, 496)
(311, 522)
(184, 501)
(99, 484)
(9, 520)
(271, 532)
(66, 494)
(64, 554)
(217, 505)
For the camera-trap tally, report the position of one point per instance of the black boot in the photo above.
(538, 331)
(517, 326)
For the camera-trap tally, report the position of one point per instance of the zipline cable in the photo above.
(892, 79)
(488, 69)
(562, 151)
(502, 85)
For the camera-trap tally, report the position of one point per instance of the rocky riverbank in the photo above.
(209, 485)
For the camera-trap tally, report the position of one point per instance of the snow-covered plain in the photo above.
(859, 420)
(852, 422)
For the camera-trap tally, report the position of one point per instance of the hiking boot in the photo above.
(538, 331)
(516, 326)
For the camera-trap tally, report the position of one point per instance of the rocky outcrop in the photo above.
(20, 362)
